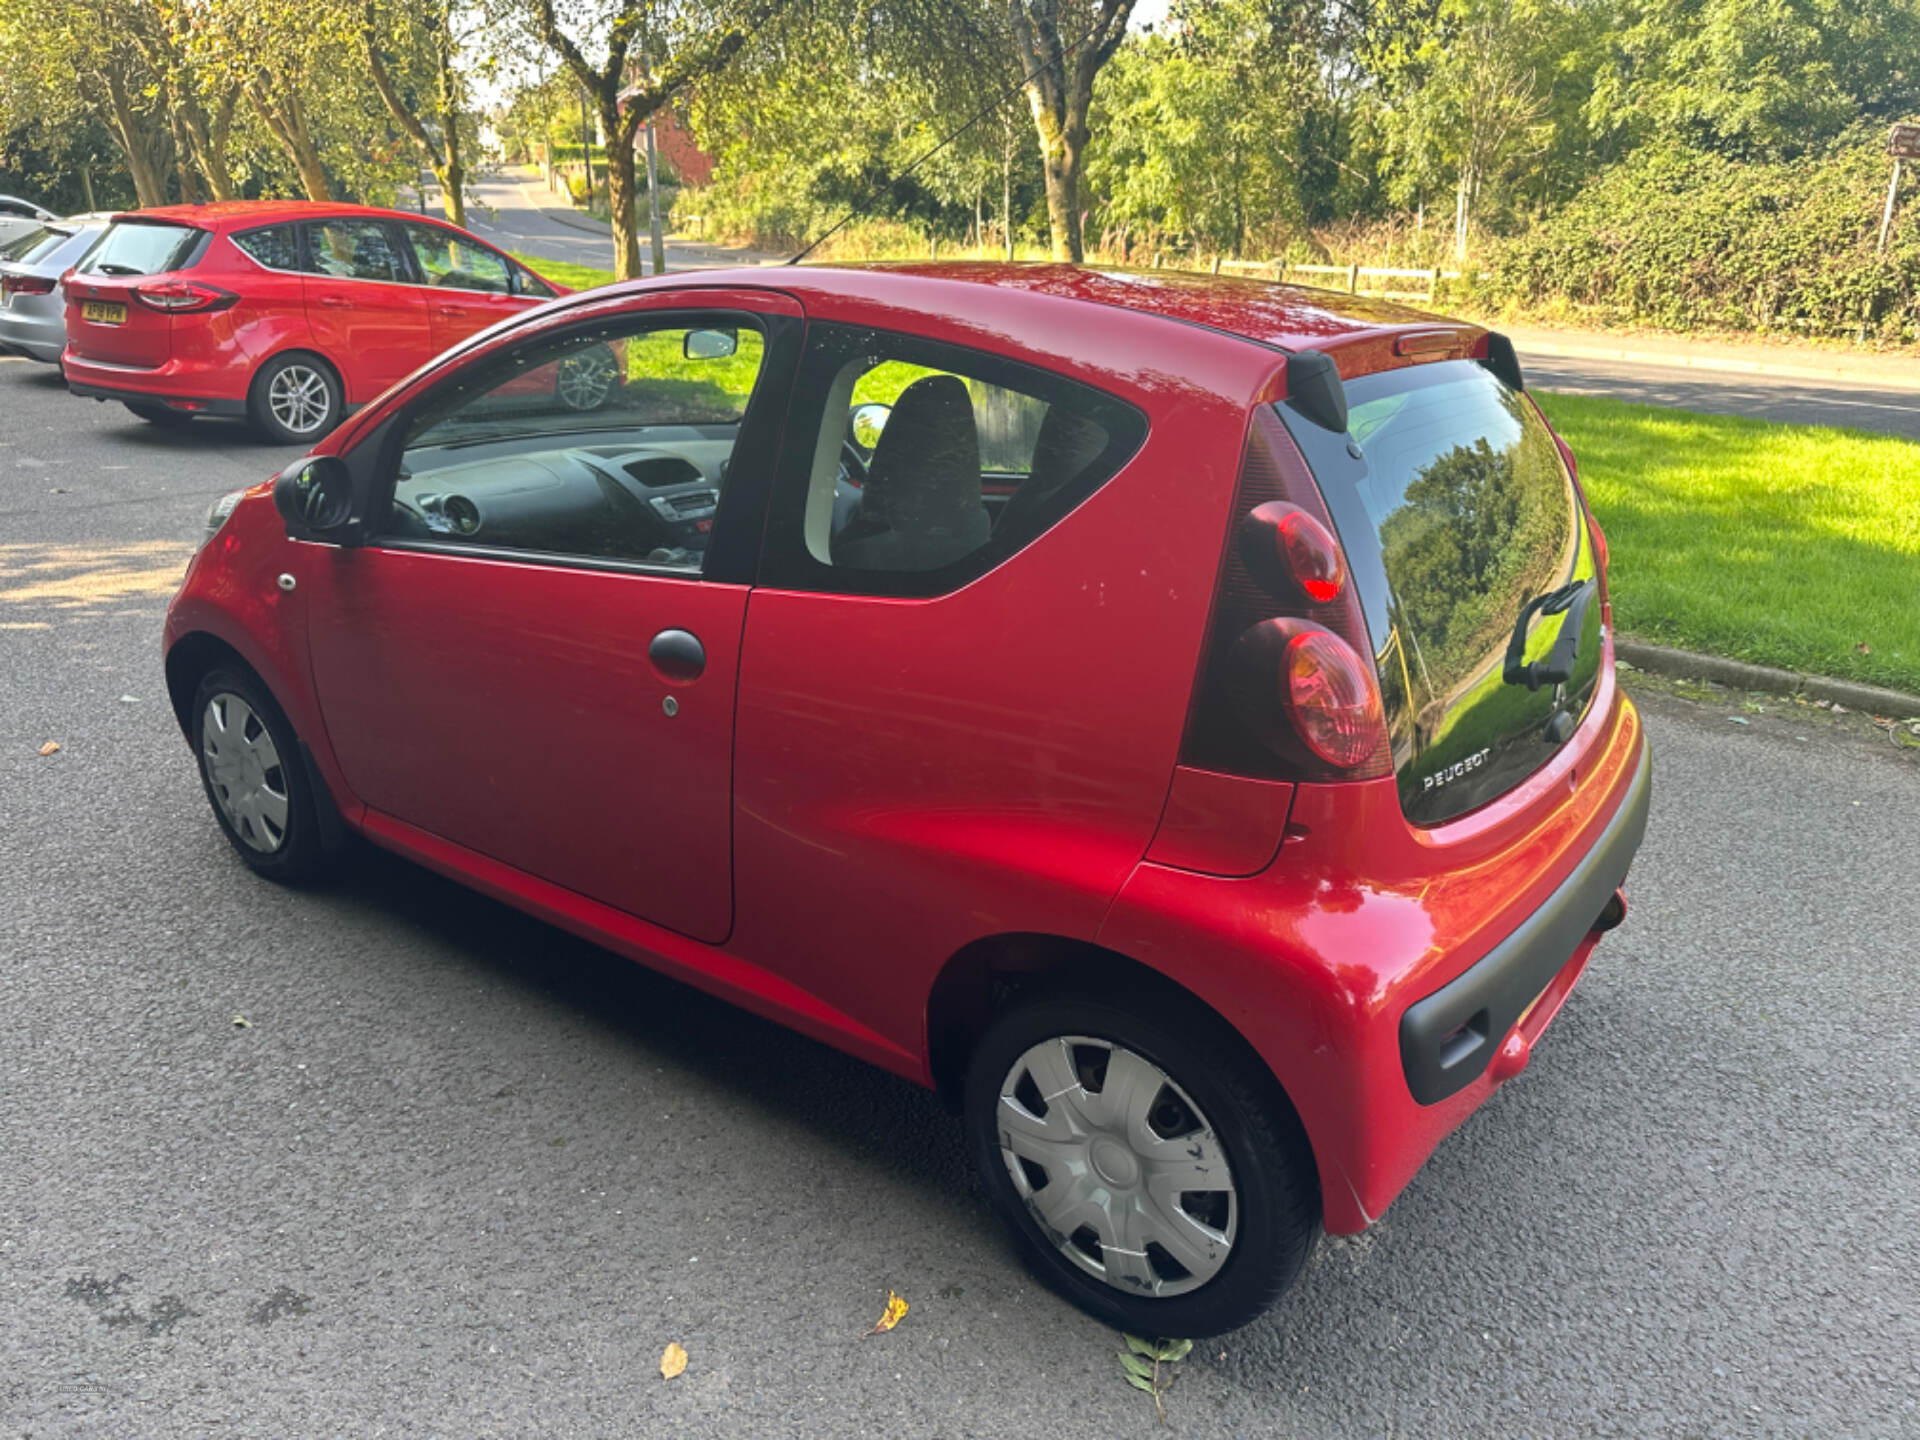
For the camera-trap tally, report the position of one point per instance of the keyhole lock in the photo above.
(671, 706)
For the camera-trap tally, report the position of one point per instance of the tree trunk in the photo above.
(182, 150)
(452, 173)
(1006, 200)
(288, 123)
(129, 131)
(622, 191)
(209, 135)
(1062, 166)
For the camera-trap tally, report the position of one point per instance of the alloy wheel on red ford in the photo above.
(1173, 717)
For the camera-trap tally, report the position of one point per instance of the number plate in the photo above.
(103, 312)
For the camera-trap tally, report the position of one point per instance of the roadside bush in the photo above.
(1684, 240)
(578, 189)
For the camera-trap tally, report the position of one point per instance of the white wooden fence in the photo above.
(1381, 281)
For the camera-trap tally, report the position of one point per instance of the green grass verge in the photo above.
(562, 272)
(1788, 545)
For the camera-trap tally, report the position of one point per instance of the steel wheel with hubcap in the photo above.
(1152, 1170)
(251, 767)
(244, 772)
(295, 399)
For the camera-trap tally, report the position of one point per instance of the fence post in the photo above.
(1353, 279)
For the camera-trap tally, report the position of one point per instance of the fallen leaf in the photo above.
(50, 747)
(240, 1022)
(129, 699)
(1863, 648)
(1840, 710)
(896, 1307)
(672, 1360)
(1739, 719)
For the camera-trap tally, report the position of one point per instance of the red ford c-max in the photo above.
(1173, 716)
(290, 314)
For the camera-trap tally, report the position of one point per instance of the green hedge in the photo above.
(1685, 240)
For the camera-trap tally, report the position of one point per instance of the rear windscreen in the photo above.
(132, 247)
(1469, 546)
(31, 246)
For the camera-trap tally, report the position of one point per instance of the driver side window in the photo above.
(610, 442)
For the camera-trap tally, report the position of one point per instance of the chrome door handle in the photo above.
(678, 654)
(335, 302)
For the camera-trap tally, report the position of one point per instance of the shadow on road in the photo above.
(869, 1115)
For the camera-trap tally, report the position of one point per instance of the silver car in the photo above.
(33, 314)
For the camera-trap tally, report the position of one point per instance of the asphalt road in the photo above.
(1764, 397)
(462, 1175)
(511, 207)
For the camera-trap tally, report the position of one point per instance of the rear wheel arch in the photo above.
(984, 978)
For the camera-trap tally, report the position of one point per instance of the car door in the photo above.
(468, 285)
(534, 655)
(365, 313)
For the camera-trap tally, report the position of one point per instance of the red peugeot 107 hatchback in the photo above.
(291, 314)
(1173, 716)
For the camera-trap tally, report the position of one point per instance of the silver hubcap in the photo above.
(243, 770)
(298, 398)
(1118, 1166)
(584, 381)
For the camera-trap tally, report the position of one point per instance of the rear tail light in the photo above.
(1289, 689)
(178, 297)
(26, 285)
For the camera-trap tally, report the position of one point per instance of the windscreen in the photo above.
(134, 247)
(1468, 542)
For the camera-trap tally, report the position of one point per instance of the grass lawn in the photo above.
(562, 272)
(1789, 545)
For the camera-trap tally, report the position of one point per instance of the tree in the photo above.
(1060, 46)
(423, 30)
(655, 50)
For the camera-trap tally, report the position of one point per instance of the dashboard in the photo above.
(651, 501)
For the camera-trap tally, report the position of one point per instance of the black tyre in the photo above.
(162, 415)
(1151, 1171)
(256, 781)
(295, 399)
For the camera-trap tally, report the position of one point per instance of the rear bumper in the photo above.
(34, 336)
(1478, 929)
(205, 390)
(1447, 1040)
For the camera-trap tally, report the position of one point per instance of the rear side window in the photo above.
(453, 262)
(274, 247)
(912, 466)
(136, 247)
(353, 250)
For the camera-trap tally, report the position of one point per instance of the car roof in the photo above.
(1284, 317)
(236, 214)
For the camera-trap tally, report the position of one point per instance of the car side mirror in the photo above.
(866, 423)
(315, 498)
(710, 344)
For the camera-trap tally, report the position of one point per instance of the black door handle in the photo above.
(678, 654)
